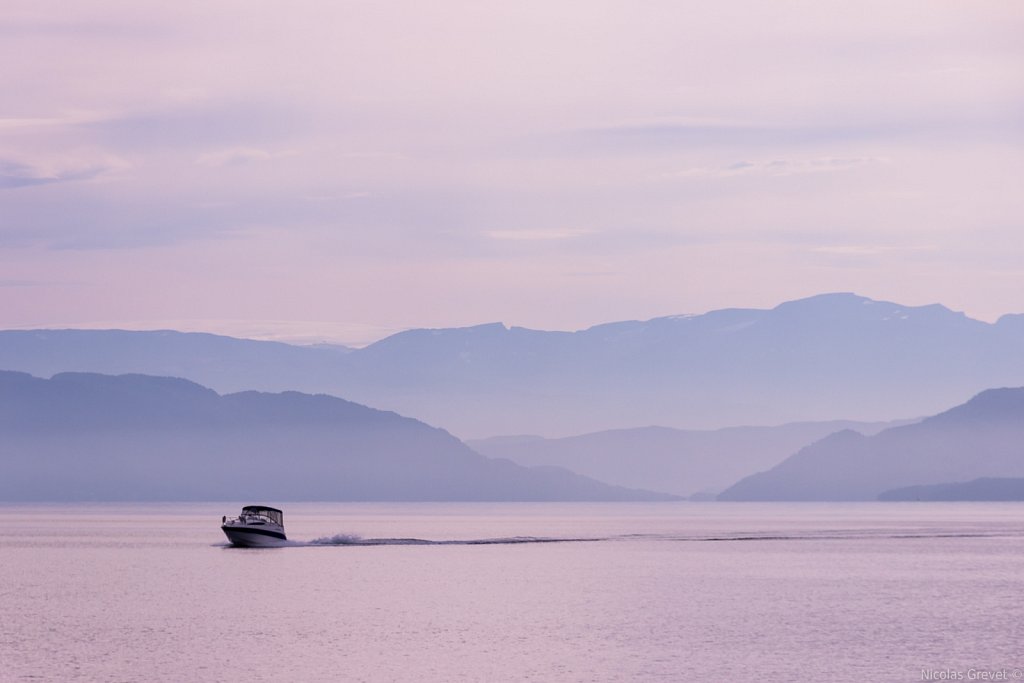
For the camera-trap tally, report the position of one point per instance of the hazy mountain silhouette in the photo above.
(984, 489)
(825, 357)
(981, 438)
(96, 437)
(225, 364)
(682, 462)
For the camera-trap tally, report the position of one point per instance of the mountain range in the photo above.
(81, 436)
(822, 358)
(682, 462)
(983, 438)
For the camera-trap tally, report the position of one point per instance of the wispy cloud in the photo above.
(811, 129)
(870, 255)
(198, 124)
(15, 174)
(871, 249)
(534, 235)
(690, 135)
(29, 123)
(779, 167)
(239, 156)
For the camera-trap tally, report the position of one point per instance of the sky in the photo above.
(338, 170)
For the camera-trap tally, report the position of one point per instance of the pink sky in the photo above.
(331, 170)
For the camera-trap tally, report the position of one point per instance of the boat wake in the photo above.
(837, 535)
(354, 540)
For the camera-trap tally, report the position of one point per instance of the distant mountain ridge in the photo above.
(821, 358)
(982, 489)
(983, 438)
(682, 462)
(83, 436)
(225, 364)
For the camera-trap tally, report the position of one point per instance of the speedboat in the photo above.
(258, 526)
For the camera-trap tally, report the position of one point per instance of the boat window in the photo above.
(270, 514)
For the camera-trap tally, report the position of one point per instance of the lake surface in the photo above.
(515, 592)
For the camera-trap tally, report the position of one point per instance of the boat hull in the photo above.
(254, 538)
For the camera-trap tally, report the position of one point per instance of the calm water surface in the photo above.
(615, 592)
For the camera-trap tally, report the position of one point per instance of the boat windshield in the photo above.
(272, 514)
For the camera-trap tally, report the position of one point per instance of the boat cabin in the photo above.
(269, 514)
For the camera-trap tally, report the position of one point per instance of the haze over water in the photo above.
(669, 591)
